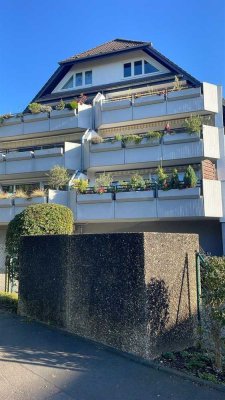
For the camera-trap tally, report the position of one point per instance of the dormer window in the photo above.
(79, 80)
(139, 67)
(88, 78)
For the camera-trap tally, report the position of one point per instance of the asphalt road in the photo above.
(40, 363)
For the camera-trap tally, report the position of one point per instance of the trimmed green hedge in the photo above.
(9, 301)
(39, 219)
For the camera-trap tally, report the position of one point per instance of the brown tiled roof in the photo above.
(105, 48)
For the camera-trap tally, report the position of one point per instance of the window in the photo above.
(138, 67)
(79, 80)
(88, 77)
(68, 84)
(148, 68)
(126, 70)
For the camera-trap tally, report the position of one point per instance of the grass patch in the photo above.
(8, 301)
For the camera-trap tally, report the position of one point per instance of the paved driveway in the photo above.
(37, 363)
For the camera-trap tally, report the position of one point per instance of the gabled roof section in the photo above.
(113, 46)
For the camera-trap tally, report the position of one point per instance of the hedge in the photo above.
(8, 301)
(39, 219)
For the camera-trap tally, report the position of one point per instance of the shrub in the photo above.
(190, 178)
(34, 108)
(213, 294)
(20, 194)
(46, 108)
(193, 124)
(174, 180)
(38, 193)
(118, 137)
(58, 177)
(73, 105)
(162, 178)
(61, 105)
(5, 195)
(96, 140)
(9, 301)
(39, 219)
(153, 135)
(102, 183)
(80, 185)
(137, 182)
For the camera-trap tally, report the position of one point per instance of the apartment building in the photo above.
(131, 117)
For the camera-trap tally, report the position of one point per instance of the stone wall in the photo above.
(133, 291)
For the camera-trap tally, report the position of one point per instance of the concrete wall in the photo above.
(209, 231)
(135, 292)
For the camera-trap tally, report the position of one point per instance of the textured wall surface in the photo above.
(133, 291)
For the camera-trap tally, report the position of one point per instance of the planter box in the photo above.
(18, 155)
(35, 117)
(135, 196)
(116, 105)
(145, 100)
(5, 202)
(94, 198)
(63, 113)
(57, 151)
(105, 146)
(184, 94)
(12, 121)
(180, 138)
(20, 202)
(144, 143)
(174, 194)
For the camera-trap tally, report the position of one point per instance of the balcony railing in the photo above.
(191, 100)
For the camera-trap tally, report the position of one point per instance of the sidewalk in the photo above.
(40, 363)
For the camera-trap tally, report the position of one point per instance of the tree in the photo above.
(58, 177)
(39, 219)
(190, 178)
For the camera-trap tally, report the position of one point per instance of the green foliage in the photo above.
(39, 219)
(207, 376)
(103, 181)
(5, 116)
(153, 135)
(177, 84)
(46, 108)
(118, 137)
(137, 182)
(162, 178)
(34, 108)
(193, 124)
(190, 178)
(9, 301)
(80, 185)
(96, 139)
(61, 105)
(174, 180)
(169, 356)
(73, 105)
(58, 177)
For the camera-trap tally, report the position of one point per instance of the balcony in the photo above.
(18, 162)
(149, 107)
(152, 204)
(178, 147)
(41, 123)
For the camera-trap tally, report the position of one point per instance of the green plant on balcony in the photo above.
(60, 106)
(21, 194)
(177, 84)
(118, 137)
(5, 116)
(151, 135)
(137, 182)
(162, 178)
(103, 183)
(5, 195)
(34, 108)
(174, 180)
(190, 178)
(131, 139)
(193, 124)
(46, 108)
(73, 105)
(80, 185)
(58, 177)
(96, 139)
(38, 193)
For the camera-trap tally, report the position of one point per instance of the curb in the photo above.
(132, 357)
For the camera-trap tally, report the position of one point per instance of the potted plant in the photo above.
(190, 178)
(162, 178)
(174, 180)
(193, 125)
(137, 182)
(80, 185)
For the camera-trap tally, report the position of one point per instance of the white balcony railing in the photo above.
(150, 107)
(178, 147)
(60, 120)
(41, 160)
(148, 205)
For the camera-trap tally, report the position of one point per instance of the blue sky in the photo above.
(35, 35)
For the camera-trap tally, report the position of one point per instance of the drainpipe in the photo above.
(198, 282)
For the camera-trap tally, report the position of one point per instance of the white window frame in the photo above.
(143, 68)
(74, 81)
